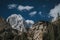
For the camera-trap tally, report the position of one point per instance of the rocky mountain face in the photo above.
(17, 22)
(8, 33)
(38, 30)
(4, 28)
(45, 31)
(14, 29)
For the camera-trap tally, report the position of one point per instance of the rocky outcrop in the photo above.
(8, 33)
(39, 31)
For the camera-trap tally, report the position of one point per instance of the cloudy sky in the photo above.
(31, 9)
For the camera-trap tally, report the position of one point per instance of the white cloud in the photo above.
(40, 12)
(33, 13)
(29, 22)
(54, 12)
(20, 7)
(12, 6)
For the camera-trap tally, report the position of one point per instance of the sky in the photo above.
(35, 10)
